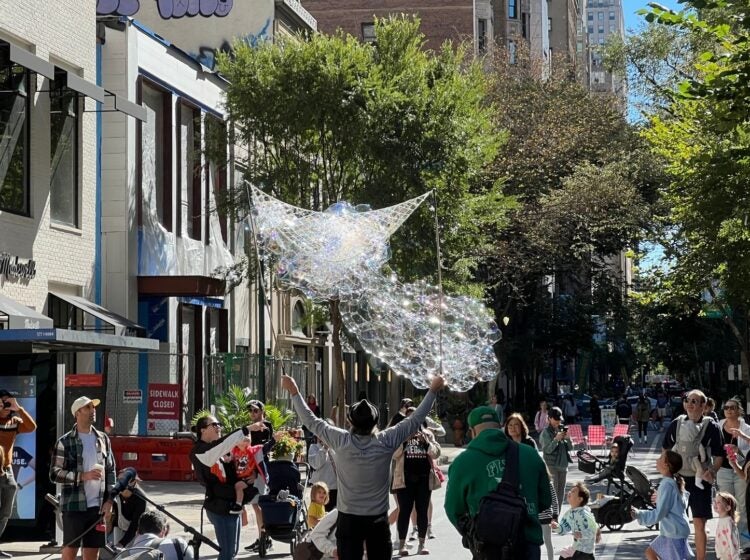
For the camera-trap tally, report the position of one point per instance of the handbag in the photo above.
(307, 551)
(436, 476)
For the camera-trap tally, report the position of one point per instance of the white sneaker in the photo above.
(414, 533)
(645, 439)
(430, 534)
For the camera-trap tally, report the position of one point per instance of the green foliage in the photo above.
(232, 412)
(704, 140)
(334, 119)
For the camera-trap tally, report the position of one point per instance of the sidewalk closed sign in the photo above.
(163, 408)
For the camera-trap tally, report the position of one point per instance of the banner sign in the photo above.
(133, 396)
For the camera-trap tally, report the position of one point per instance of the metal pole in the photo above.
(261, 335)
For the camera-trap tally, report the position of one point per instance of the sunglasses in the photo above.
(692, 401)
(254, 410)
(215, 424)
(730, 407)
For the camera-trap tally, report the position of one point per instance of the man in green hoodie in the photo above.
(477, 471)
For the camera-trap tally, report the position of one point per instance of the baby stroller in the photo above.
(284, 509)
(631, 487)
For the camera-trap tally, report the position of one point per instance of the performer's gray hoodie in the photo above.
(363, 463)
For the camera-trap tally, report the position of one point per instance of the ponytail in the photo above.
(680, 482)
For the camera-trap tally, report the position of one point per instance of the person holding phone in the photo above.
(555, 444)
(14, 420)
(736, 434)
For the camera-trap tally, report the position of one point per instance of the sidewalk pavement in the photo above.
(184, 500)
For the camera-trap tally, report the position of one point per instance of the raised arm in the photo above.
(395, 436)
(334, 437)
(221, 447)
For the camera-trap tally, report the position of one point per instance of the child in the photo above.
(248, 464)
(318, 501)
(727, 534)
(581, 522)
(670, 512)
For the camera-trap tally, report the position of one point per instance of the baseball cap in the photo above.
(555, 413)
(363, 414)
(406, 402)
(483, 414)
(256, 404)
(80, 402)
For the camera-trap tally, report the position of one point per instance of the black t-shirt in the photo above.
(264, 438)
(416, 459)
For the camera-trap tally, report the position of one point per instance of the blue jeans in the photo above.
(8, 491)
(227, 528)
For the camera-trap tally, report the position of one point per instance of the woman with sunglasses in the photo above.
(737, 437)
(220, 493)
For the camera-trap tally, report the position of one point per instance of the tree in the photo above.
(333, 119)
(585, 187)
(704, 139)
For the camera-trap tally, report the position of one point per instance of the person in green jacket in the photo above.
(478, 470)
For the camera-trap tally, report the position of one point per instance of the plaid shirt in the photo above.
(67, 468)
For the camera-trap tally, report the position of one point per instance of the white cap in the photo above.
(80, 402)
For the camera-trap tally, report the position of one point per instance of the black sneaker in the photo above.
(253, 547)
(235, 509)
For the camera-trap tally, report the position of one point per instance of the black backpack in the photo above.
(496, 532)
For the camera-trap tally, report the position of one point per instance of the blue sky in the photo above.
(630, 7)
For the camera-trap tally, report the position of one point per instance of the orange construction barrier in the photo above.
(154, 458)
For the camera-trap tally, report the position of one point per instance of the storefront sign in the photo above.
(11, 268)
(133, 396)
(163, 408)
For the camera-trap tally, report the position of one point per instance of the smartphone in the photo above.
(731, 453)
(564, 428)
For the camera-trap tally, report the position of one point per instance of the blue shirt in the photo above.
(670, 512)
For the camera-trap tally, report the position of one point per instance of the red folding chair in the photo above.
(596, 436)
(621, 430)
(576, 435)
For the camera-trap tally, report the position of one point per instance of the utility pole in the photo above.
(261, 335)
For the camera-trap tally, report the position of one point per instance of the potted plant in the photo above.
(286, 447)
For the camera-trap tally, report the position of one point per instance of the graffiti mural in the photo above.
(207, 8)
(117, 7)
(168, 9)
(207, 55)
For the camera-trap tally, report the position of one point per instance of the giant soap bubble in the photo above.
(327, 255)
(339, 254)
(400, 324)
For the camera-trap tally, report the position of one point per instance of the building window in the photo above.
(612, 16)
(190, 172)
(512, 53)
(368, 32)
(156, 154)
(591, 29)
(299, 320)
(64, 126)
(612, 28)
(482, 36)
(549, 25)
(217, 156)
(600, 16)
(512, 9)
(590, 16)
(601, 29)
(524, 25)
(15, 107)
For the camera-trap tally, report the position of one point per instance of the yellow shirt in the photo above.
(316, 510)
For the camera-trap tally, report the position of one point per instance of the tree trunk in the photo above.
(338, 364)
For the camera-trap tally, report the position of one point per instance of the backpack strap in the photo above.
(511, 464)
(178, 549)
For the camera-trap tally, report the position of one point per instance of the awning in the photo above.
(66, 340)
(30, 61)
(181, 286)
(78, 84)
(121, 325)
(17, 316)
(128, 107)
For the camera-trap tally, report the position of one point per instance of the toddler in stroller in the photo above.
(284, 510)
(632, 488)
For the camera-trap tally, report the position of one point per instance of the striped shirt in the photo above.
(67, 468)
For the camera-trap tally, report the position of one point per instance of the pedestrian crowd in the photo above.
(505, 493)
